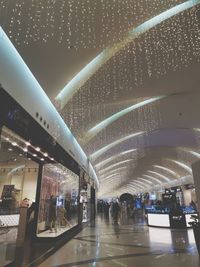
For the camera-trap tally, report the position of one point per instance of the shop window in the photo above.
(85, 197)
(58, 201)
(18, 179)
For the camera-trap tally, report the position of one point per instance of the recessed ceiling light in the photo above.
(14, 143)
(28, 143)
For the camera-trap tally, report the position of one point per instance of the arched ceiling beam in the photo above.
(166, 169)
(152, 178)
(102, 150)
(146, 180)
(120, 170)
(160, 176)
(103, 124)
(181, 164)
(92, 67)
(114, 165)
(145, 186)
(138, 185)
(104, 162)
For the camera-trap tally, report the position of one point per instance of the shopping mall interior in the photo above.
(99, 133)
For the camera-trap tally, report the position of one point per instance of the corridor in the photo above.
(129, 243)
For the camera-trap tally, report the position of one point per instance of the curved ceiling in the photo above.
(156, 143)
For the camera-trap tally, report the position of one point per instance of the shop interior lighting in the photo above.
(92, 67)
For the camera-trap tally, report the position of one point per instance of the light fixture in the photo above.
(102, 150)
(103, 162)
(103, 124)
(37, 149)
(181, 164)
(14, 143)
(160, 175)
(28, 143)
(152, 178)
(114, 165)
(25, 149)
(146, 181)
(165, 169)
(92, 67)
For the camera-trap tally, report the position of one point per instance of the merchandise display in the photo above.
(58, 201)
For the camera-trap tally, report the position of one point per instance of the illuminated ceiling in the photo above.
(152, 64)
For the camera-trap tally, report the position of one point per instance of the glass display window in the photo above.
(58, 210)
(18, 181)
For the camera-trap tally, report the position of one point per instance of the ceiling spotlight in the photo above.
(45, 154)
(9, 149)
(37, 148)
(14, 143)
(28, 143)
(34, 155)
(25, 149)
(20, 155)
(42, 159)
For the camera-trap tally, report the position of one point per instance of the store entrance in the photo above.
(18, 180)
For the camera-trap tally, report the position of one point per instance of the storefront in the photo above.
(85, 196)
(18, 182)
(58, 210)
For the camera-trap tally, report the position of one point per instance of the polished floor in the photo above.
(129, 243)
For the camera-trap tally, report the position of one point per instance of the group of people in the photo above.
(112, 209)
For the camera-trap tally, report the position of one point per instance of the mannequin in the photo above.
(52, 213)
